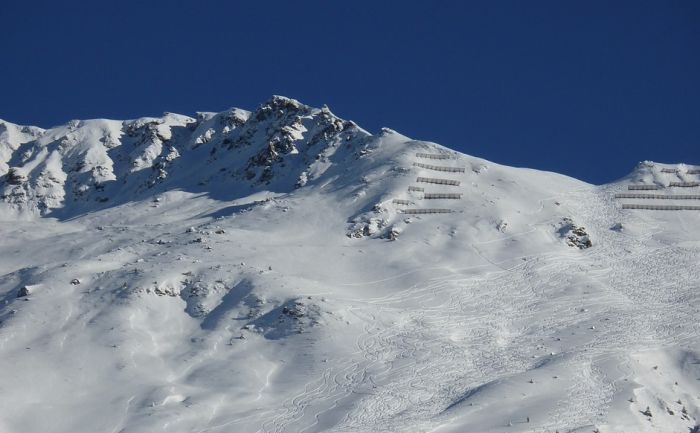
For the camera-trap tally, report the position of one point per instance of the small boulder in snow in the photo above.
(617, 227)
(502, 226)
(394, 233)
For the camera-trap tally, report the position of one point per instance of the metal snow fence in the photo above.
(660, 196)
(659, 207)
(439, 168)
(438, 181)
(442, 195)
(433, 156)
(694, 171)
(426, 211)
(400, 201)
(684, 184)
(642, 187)
(416, 188)
(669, 170)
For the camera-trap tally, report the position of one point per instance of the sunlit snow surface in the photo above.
(209, 302)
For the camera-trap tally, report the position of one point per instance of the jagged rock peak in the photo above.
(85, 162)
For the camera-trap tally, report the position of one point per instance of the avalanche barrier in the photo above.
(438, 181)
(439, 168)
(660, 196)
(433, 156)
(442, 195)
(659, 207)
(642, 187)
(684, 184)
(426, 211)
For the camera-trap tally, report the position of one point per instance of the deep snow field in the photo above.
(251, 272)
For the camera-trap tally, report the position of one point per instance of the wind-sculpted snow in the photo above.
(283, 270)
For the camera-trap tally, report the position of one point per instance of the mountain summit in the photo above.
(284, 270)
(75, 165)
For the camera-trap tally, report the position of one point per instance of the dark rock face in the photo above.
(576, 236)
(283, 144)
(287, 127)
(23, 292)
(14, 177)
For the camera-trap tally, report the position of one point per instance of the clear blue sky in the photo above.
(586, 88)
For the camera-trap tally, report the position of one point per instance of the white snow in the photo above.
(245, 280)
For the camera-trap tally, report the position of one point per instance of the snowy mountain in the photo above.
(284, 270)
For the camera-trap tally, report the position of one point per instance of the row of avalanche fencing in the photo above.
(675, 184)
(433, 195)
(684, 184)
(655, 187)
(434, 155)
(439, 168)
(438, 181)
(442, 195)
(659, 207)
(678, 170)
(660, 196)
(424, 211)
(643, 187)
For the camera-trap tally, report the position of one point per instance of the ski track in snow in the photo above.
(415, 364)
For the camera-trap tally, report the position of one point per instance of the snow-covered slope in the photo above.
(284, 270)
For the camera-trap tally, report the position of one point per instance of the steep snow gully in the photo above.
(284, 270)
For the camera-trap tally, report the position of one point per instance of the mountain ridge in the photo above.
(283, 270)
(77, 161)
